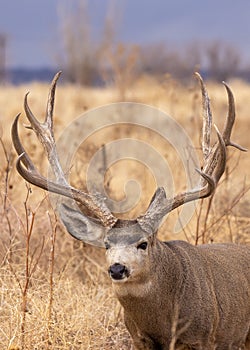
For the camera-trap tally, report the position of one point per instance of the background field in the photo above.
(54, 290)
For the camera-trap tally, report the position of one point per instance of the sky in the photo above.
(33, 28)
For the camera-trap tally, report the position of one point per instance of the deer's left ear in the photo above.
(81, 227)
(151, 220)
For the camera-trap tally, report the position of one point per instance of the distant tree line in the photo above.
(3, 43)
(217, 59)
(88, 61)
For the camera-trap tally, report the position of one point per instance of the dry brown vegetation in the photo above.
(54, 291)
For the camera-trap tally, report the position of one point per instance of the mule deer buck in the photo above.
(174, 294)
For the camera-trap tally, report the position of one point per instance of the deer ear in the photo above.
(81, 227)
(151, 220)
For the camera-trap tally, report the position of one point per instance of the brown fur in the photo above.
(204, 289)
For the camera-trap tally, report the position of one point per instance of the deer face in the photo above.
(128, 253)
(129, 244)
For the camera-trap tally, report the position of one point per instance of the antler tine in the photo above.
(231, 115)
(18, 146)
(207, 118)
(44, 131)
(221, 157)
(230, 120)
(51, 100)
(35, 124)
(27, 170)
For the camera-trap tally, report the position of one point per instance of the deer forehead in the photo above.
(125, 236)
(127, 255)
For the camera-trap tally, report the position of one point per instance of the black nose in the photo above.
(118, 271)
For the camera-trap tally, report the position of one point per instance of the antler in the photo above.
(214, 163)
(44, 131)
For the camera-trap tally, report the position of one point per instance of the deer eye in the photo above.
(142, 246)
(107, 246)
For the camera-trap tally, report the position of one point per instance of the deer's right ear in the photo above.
(81, 227)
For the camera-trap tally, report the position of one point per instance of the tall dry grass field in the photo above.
(54, 291)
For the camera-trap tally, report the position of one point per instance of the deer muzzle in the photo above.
(118, 272)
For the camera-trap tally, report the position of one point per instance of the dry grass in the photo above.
(57, 295)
